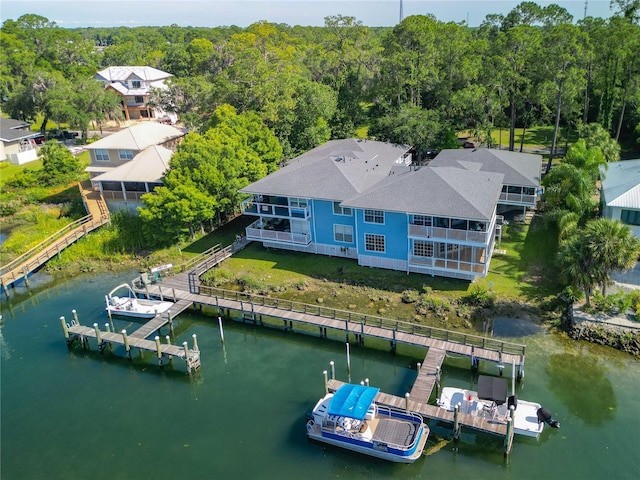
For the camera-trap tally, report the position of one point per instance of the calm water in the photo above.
(85, 415)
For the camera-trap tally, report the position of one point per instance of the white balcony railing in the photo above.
(250, 206)
(261, 234)
(439, 233)
(518, 199)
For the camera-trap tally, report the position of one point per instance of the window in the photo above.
(343, 233)
(102, 155)
(338, 210)
(423, 249)
(441, 222)
(630, 217)
(125, 154)
(135, 84)
(298, 202)
(373, 242)
(138, 99)
(422, 220)
(373, 216)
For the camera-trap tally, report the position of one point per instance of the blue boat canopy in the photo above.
(352, 401)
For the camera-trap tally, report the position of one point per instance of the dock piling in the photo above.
(127, 347)
(333, 369)
(75, 316)
(65, 329)
(456, 422)
(406, 402)
(366, 382)
(98, 337)
(326, 382)
(348, 362)
(195, 343)
(221, 332)
(158, 350)
(106, 327)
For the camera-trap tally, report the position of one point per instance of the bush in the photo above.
(410, 296)
(479, 296)
(430, 304)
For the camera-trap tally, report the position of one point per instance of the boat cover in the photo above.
(492, 388)
(352, 401)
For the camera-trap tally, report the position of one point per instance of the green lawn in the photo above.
(535, 137)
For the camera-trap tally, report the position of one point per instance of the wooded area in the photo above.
(419, 83)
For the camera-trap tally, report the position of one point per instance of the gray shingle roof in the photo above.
(122, 73)
(336, 170)
(621, 184)
(12, 130)
(522, 169)
(438, 191)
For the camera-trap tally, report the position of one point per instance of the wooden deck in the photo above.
(76, 332)
(159, 321)
(428, 375)
(357, 326)
(21, 267)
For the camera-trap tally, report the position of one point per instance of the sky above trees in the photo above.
(212, 13)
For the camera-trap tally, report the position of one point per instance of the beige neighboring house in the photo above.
(134, 85)
(17, 142)
(620, 193)
(127, 164)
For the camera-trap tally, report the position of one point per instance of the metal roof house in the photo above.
(364, 200)
(521, 184)
(127, 164)
(620, 193)
(134, 85)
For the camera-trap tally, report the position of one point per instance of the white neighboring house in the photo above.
(134, 85)
(620, 193)
(127, 164)
(17, 142)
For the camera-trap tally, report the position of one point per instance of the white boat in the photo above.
(350, 418)
(491, 402)
(132, 306)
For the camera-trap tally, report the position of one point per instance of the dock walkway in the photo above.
(82, 333)
(254, 307)
(21, 267)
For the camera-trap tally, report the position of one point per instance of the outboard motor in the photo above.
(545, 416)
(512, 400)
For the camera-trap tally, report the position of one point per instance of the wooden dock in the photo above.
(428, 375)
(355, 325)
(138, 338)
(21, 267)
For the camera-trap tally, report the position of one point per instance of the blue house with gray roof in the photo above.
(365, 200)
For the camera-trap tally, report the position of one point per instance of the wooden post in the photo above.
(195, 343)
(418, 365)
(158, 350)
(75, 316)
(326, 382)
(26, 276)
(366, 382)
(456, 422)
(97, 330)
(406, 402)
(170, 321)
(106, 327)
(64, 328)
(186, 355)
(127, 347)
(333, 369)
(168, 338)
(509, 437)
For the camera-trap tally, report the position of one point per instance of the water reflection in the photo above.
(589, 395)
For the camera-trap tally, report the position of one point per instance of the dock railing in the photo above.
(366, 320)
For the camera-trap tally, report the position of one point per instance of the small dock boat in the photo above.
(350, 418)
(132, 306)
(491, 402)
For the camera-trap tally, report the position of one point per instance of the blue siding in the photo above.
(323, 221)
(395, 229)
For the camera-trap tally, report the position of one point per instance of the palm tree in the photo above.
(612, 246)
(577, 267)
